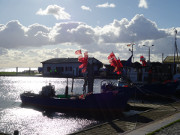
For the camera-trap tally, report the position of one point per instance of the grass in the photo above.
(8, 73)
(152, 133)
(16, 74)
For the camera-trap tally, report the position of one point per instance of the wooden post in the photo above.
(90, 77)
(72, 83)
(66, 89)
(16, 70)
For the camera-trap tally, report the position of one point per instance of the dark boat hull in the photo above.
(102, 102)
(157, 90)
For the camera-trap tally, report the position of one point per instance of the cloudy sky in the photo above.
(36, 30)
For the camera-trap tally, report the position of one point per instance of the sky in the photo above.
(33, 31)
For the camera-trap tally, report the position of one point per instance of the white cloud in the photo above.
(12, 34)
(85, 8)
(119, 31)
(55, 10)
(106, 5)
(98, 41)
(143, 4)
(15, 35)
(139, 28)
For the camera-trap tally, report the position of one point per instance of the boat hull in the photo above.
(157, 90)
(100, 102)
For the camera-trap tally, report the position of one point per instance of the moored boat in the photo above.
(167, 89)
(109, 101)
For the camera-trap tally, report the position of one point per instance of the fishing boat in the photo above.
(143, 89)
(159, 89)
(106, 101)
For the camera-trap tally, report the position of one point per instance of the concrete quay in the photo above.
(139, 124)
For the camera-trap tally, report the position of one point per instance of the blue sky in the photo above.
(163, 12)
(36, 30)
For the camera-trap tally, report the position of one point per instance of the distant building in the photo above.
(174, 63)
(67, 67)
(137, 73)
(40, 69)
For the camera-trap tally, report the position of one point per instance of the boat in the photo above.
(109, 101)
(104, 102)
(166, 89)
(145, 85)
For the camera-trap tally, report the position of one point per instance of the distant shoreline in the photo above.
(21, 74)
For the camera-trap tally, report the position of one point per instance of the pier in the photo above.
(129, 125)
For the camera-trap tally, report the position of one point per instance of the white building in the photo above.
(67, 66)
(137, 74)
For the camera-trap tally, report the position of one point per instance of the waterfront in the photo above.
(30, 121)
(15, 69)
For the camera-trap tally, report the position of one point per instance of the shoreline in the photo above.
(14, 74)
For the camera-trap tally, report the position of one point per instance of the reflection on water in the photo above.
(30, 121)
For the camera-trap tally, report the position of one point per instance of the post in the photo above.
(162, 57)
(175, 51)
(132, 51)
(72, 83)
(29, 70)
(16, 70)
(85, 83)
(148, 51)
(66, 89)
(90, 77)
(149, 54)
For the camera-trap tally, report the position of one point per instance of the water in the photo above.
(30, 121)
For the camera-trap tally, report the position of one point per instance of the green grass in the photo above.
(152, 133)
(7, 73)
(16, 74)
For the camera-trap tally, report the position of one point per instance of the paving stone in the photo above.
(128, 123)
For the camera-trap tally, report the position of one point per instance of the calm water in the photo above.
(30, 121)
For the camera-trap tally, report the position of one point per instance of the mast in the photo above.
(131, 50)
(66, 89)
(90, 75)
(72, 83)
(175, 51)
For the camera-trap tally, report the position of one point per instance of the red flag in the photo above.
(130, 44)
(111, 55)
(118, 67)
(80, 58)
(84, 70)
(143, 60)
(115, 63)
(112, 59)
(86, 54)
(78, 52)
(84, 61)
(119, 64)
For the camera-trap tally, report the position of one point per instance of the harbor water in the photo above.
(29, 121)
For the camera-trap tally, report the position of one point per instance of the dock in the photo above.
(125, 125)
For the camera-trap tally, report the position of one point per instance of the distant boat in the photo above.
(165, 89)
(109, 101)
